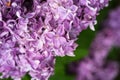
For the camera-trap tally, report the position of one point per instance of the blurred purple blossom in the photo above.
(33, 32)
(95, 66)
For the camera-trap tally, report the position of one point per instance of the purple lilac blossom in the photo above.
(33, 32)
(95, 66)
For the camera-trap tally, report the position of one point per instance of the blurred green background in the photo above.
(84, 41)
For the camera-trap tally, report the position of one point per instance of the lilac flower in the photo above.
(89, 70)
(33, 32)
(113, 23)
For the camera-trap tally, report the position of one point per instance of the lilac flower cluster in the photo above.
(33, 32)
(94, 66)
